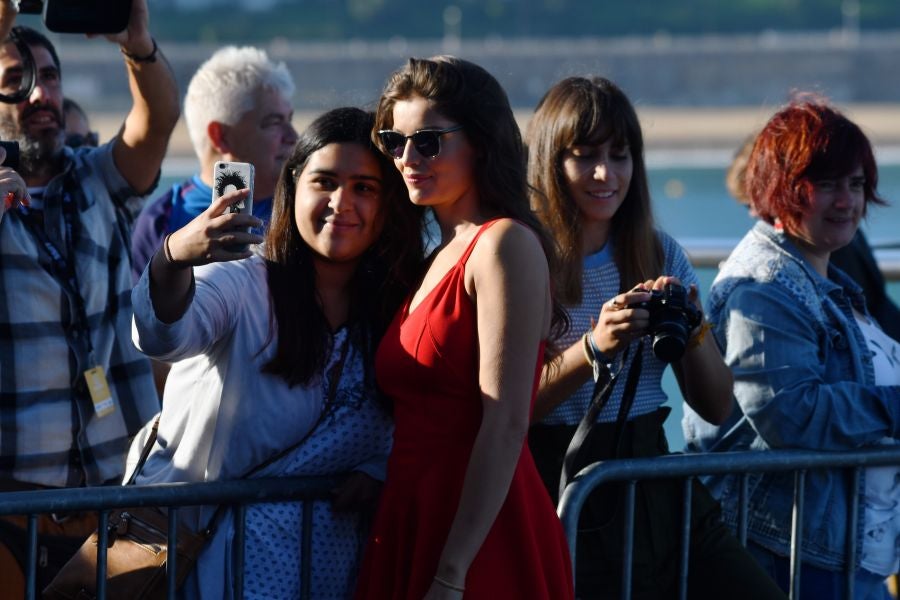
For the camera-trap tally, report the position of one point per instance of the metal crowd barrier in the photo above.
(687, 466)
(237, 494)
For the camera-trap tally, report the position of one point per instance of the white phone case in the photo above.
(228, 176)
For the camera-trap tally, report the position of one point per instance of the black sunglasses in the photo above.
(426, 141)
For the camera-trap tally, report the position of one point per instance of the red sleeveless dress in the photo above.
(428, 364)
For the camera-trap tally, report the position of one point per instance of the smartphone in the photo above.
(12, 155)
(229, 176)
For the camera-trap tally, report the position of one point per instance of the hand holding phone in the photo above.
(229, 176)
(13, 190)
(11, 155)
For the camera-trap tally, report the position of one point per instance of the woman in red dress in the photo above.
(463, 511)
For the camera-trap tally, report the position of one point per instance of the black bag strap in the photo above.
(336, 373)
(603, 388)
(634, 375)
(145, 452)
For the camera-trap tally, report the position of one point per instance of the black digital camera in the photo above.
(672, 317)
(80, 16)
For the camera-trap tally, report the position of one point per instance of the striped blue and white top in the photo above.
(600, 282)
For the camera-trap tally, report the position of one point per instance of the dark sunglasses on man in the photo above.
(427, 142)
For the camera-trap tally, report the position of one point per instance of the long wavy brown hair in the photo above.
(470, 96)
(581, 110)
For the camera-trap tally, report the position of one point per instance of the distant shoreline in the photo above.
(709, 135)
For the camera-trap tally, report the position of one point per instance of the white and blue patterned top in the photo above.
(222, 417)
(600, 283)
(356, 430)
(881, 501)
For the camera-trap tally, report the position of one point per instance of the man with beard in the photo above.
(73, 389)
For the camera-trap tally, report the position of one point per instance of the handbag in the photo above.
(135, 560)
(136, 556)
(137, 552)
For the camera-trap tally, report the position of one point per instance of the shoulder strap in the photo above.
(336, 372)
(332, 392)
(145, 452)
(484, 227)
(603, 389)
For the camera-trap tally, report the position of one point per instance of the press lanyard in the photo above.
(63, 270)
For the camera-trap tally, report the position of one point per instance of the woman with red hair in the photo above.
(812, 369)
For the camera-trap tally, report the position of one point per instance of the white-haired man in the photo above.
(237, 108)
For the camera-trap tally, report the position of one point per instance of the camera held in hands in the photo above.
(672, 318)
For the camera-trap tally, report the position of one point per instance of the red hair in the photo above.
(806, 141)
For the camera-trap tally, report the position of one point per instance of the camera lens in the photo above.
(670, 341)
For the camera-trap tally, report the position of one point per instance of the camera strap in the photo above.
(603, 388)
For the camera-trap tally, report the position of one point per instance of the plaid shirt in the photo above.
(49, 432)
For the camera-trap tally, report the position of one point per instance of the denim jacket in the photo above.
(803, 378)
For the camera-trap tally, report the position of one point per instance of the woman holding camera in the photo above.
(587, 171)
(273, 354)
(813, 370)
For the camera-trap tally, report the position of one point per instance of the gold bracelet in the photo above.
(698, 339)
(448, 585)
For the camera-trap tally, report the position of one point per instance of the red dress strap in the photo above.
(484, 227)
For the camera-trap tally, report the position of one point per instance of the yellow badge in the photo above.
(99, 389)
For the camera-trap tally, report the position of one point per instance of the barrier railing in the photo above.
(171, 496)
(687, 466)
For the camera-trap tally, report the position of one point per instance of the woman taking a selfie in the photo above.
(589, 181)
(274, 350)
(463, 512)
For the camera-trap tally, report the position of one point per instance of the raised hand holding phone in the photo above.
(220, 233)
(210, 237)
